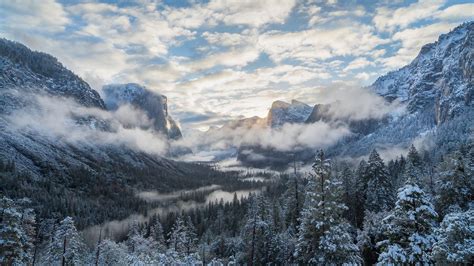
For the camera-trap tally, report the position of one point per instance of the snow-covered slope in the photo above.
(439, 78)
(154, 105)
(23, 71)
(283, 112)
(437, 88)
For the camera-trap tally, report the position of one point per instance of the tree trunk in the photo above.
(63, 263)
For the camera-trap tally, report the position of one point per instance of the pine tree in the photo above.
(379, 195)
(134, 236)
(372, 233)
(348, 195)
(293, 200)
(156, 235)
(455, 239)
(409, 228)
(285, 244)
(177, 236)
(191, 236)
(66, 247)
(16, 232)
(414, 157)
(360, 187)
(256, 232)
(455, 184)
(112, 253)
(323, 233)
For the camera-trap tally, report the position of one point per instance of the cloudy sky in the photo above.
(218, 60)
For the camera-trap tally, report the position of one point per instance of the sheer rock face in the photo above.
(440, 78)
(154, 105)
(282, 112)
(323, 113)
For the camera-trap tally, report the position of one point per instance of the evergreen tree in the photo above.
(293, 201)
(455, 239)
(178, 236)
(157, 235)
(134, 236)
(285, 244)
(348, 195)
(66, 247)
(191, 236)
(360, 187)
(379, 195)
(323, 232)
(455, 184)
(409, 228)
(372, 233)
(112, 253)
(256, 232)
(17, 232)
(414, 157)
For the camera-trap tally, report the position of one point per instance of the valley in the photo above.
(228, 133)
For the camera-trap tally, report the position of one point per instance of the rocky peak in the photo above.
(154, 105)
(282, 112)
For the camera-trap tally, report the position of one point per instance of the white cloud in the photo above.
(363, 76)
(225, 38)
(411, 42)
(388, 19)
(459, 12)
(234, 12)
(287, 138)
(141, 42)
(29, 15)
(232, 58)
(357, 63)
(57, 118)
(320, 44)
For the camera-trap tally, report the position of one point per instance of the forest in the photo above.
(416, 209)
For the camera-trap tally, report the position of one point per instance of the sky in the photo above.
(220, 60)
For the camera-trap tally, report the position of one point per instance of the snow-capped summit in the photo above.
(440, 77)
(154, 105)
(283, 112)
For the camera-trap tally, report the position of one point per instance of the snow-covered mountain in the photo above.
(154, 105)
(282, 112)
(323, 113)
(441, 77)
(23, 71)
(437, 88)
(25, 75)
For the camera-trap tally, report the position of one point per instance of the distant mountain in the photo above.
(154, 105)
(281, 113)
(437, 88)
(323, 113)
(84, 178)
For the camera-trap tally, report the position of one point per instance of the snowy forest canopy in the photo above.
(412, 210)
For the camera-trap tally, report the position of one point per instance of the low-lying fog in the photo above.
(118, 228)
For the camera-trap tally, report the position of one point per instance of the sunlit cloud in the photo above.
(218, 60)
